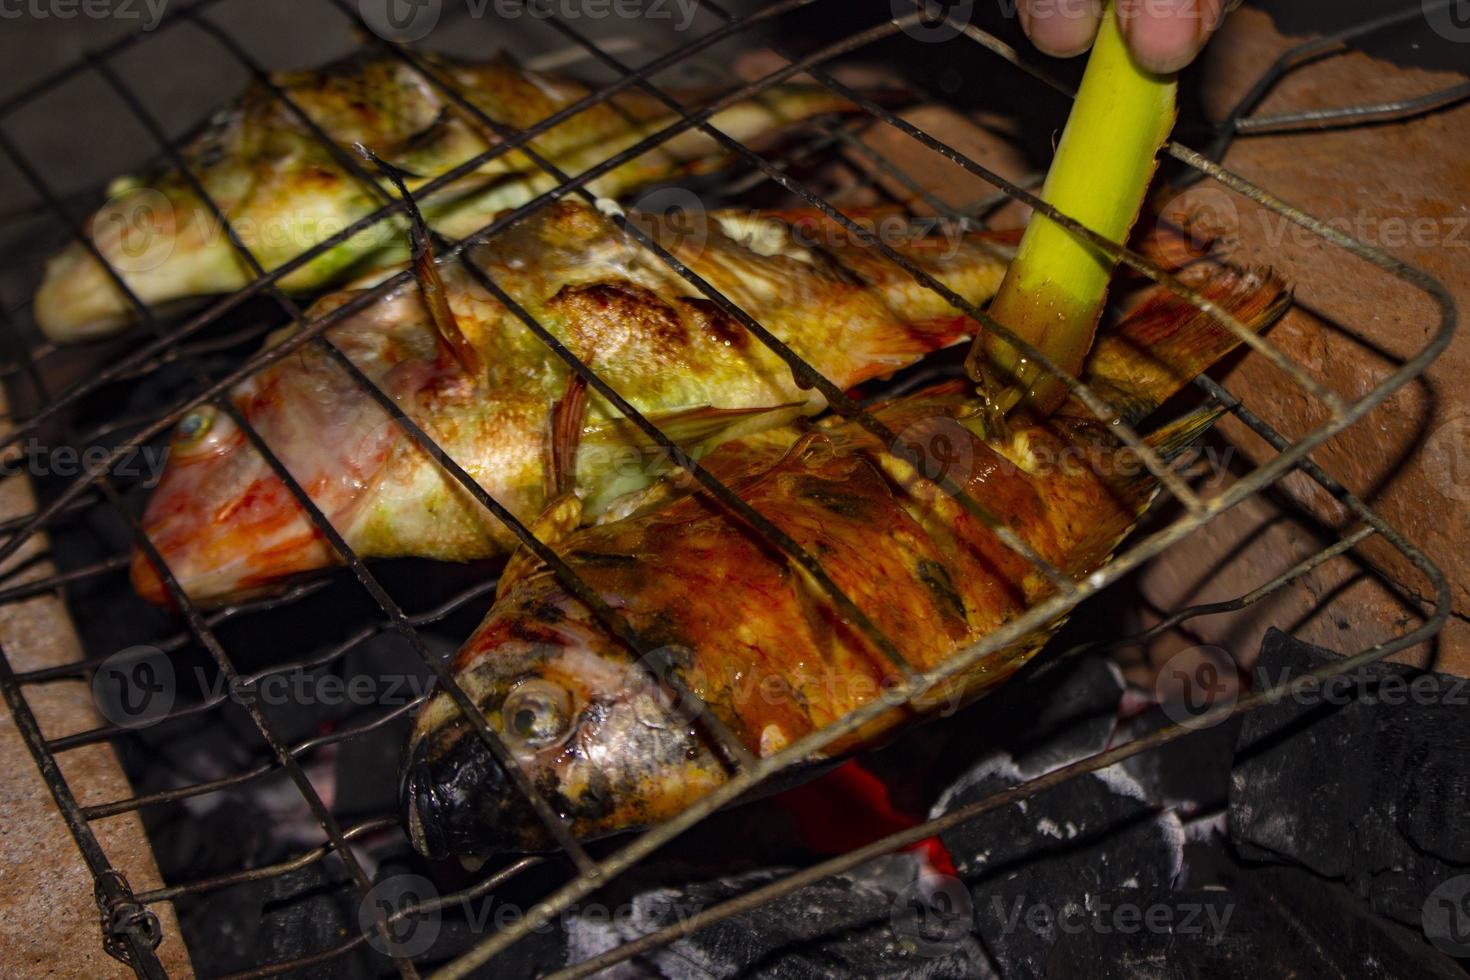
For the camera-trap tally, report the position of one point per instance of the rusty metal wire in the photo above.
(132, 934)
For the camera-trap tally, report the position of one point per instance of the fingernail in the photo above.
(1165, 35)
(1061, 28)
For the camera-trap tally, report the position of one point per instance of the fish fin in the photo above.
(879, 353)
(1134, 488)
(696, 429)
(426, 271)
(558, 518)
(1161, 345)
(567, 416)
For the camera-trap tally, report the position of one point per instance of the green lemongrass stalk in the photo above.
(1054, 291)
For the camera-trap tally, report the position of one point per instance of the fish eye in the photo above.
(194, 427)
(202, 430)
(536, 714)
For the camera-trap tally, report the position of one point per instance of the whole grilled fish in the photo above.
(284, 191)
(610, 746)
(226, 525)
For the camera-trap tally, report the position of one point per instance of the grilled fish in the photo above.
(284, 191)
(613, 747)
(227, 526)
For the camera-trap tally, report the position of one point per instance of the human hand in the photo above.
(1164, 35)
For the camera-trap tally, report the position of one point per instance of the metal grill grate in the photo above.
(132, 931)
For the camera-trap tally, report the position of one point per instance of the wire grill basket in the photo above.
(131, 931)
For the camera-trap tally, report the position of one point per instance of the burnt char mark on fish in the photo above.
(594, 558)
(821, 493)
(936, 578)
(612, 316)
(716, 323)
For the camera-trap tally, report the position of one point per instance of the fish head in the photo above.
(223, 520)
(595, 731)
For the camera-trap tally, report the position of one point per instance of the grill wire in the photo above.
(131, 931)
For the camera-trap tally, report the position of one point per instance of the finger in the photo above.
(1061, 28)
(1165, 35)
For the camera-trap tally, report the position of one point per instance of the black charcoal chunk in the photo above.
(1363, 779)
(1063, 864)
(875, 921)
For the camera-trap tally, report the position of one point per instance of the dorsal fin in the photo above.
(426, 271)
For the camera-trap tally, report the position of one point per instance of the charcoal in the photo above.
(1190, 774)
(1304, 926)
(272, 920)
(862, 923)
(1077, 853)
(1367, 785)
(1056, 716)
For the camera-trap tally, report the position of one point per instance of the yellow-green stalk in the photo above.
(1054, 291)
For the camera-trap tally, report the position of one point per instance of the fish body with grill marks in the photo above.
(613, 743)
(226, 525)
(284, 190)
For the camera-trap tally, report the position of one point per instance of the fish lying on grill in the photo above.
(226, 525)
(612, 747)
(284, 191)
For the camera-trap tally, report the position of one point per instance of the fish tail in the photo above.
(1132, 487)
(1166, 341)
(1135, 483)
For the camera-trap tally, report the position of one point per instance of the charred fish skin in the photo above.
(759, 643)
(227, 526)
(284, 191)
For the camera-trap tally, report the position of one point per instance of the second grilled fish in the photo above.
(226, 524)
